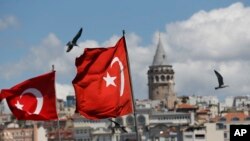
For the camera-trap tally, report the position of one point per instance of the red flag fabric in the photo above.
(33, 99)
(102, 84)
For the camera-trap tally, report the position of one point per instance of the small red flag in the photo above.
(33, 99)
(102, 84)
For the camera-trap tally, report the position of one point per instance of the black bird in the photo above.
(117, 125)
(73, 43)
(220, 81)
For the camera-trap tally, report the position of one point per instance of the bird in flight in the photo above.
(220, 80)
(117, 125)
(73, 43)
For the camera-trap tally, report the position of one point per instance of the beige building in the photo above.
(14, 133)
(214, 132)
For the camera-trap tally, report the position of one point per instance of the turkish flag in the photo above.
(102, 84)
(33, 99)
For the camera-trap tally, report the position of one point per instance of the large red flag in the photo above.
(102, 84)
(33, 99)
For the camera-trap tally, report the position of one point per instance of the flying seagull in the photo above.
(220, 81)
(117, 125)
(73, 43)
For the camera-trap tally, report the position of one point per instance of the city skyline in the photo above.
(198, 37)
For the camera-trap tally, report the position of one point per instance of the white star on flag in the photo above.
(19, 106)
(109, 80)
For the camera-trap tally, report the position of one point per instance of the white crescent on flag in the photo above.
(39, 98)
(116, 59)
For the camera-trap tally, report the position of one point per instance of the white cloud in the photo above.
(8, 21)
(217, 34)
(40, 57)
(217, 39)
(63, 90)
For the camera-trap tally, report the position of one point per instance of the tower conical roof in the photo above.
(160, 57)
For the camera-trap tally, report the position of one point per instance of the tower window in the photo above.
(168, 77)
(162, 78)
(157, 78)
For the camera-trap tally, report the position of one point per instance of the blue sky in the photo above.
(33, 35)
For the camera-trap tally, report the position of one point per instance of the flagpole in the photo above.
(59, 133)
(131, 86)
(53, 67)
(58, 121)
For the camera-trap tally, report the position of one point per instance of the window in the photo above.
(189, 136)
(220, 126)
(199, 136)
(223, 119)
(119, 120)
(235, 119)
(168, 77)
(157, 78)
(162, 78)
(225, 135)
(130, 120)
(247, 118)
(163, 56)
(141, 120)
(152, 79)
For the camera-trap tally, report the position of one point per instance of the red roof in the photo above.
(231, 117)
(203, 111)
(186, 106)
